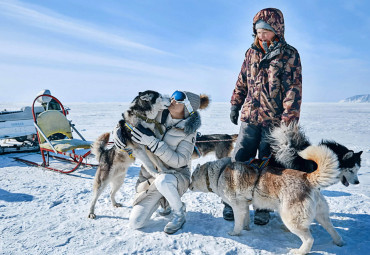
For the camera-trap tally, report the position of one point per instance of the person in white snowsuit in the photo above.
(174, 148)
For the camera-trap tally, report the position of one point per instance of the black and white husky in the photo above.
(114, 162)
(287, 141)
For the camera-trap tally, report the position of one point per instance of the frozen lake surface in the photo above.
(43, 212)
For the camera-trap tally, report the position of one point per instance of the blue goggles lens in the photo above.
(178, 96)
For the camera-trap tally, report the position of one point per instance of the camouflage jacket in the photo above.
(269, 86)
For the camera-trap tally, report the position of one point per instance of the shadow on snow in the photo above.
(14, 197)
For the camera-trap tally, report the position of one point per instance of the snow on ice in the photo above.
(43, 212)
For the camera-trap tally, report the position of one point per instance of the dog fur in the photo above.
(287, 141)
(220, 144)
(294, 194)
(113, 162)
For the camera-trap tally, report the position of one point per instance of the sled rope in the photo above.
(208, 141)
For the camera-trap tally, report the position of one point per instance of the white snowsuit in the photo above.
(175, 150)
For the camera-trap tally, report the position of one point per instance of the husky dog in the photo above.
(295, 194)
(221, 144)
(114, 162)
(287, 141)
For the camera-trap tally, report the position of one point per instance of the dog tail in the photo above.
(286, 141)
(327, 172)
(99, 145)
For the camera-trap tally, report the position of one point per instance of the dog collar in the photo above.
(208, 183)
(147, 120)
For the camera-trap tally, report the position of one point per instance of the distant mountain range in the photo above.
(357, 99)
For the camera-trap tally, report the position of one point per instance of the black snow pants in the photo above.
(250, 139)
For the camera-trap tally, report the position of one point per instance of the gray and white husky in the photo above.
(294, 194)
(114, 162)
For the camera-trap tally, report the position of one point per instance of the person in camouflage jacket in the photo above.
(268, 91)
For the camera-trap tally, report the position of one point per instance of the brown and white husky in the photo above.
(294, 194)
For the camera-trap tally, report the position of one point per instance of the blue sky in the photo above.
(107, 51)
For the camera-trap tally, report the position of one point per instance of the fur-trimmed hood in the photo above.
(191, 123)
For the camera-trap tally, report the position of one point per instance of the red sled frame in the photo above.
(52, 149)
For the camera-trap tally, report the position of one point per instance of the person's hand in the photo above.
(234, 114)
(118, 139)
(141, 138)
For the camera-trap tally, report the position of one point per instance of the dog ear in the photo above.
(359, 153)
(147, 97)
(348, 155)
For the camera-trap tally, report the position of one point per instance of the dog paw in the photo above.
(117, 205)
(233, 233)
(294, 251)
(297, 251)
(92, 216)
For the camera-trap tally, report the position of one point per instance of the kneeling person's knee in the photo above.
(165, 179)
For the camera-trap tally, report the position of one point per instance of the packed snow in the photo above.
(44, 212)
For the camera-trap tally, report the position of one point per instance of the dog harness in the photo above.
(264, 163)
(208, 183)
(207, 179)
(156, 123)
(197, 151)
(128, 150)
(253, 162)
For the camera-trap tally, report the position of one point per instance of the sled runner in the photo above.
(54, 134)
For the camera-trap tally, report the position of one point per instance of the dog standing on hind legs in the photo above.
(114, 162)
(295, 194)
(113, 165)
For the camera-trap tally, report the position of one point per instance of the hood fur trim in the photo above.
(191, 124)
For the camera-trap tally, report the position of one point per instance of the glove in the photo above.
(145, 131)
(234, 114)
(118, 139)
(149, 140)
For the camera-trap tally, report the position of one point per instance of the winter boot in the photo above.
(228, 213)
(177, 221)
(164, 211)
(261, 217)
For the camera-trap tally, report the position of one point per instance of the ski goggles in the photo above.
(181, 97)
